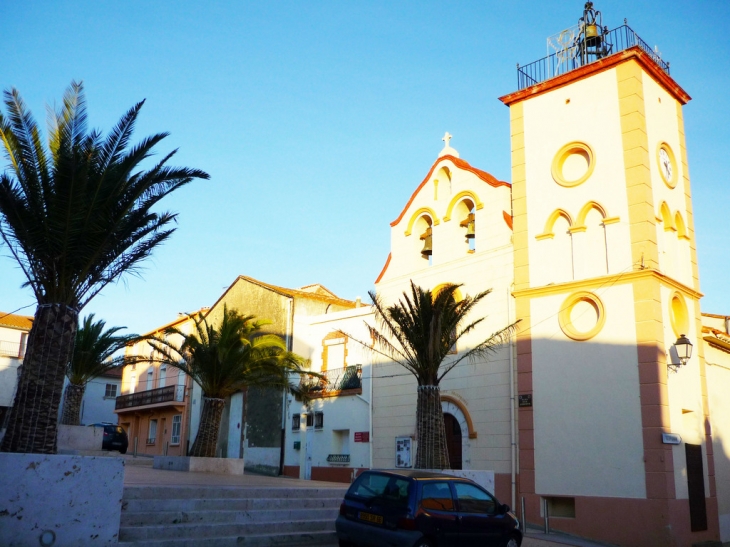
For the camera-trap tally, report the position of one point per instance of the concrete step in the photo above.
(214, 530)
(218, 516)
(309, 539)
(230, 504)
(226, 492)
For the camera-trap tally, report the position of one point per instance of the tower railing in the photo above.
(577, 54)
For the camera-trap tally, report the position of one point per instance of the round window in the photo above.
(573, 164)
(582, 316)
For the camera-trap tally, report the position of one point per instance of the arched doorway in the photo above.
(453, 440)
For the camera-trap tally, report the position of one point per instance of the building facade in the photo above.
(14, 331)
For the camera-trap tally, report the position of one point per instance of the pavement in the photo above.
(139, 472)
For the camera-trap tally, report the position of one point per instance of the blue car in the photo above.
(422, 509)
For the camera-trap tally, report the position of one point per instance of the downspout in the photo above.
(372, 368)
(513, 443)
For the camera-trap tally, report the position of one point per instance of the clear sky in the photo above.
(317, 120)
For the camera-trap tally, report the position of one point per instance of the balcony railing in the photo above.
(151, 397)
(335, 381)
(338, 458)
(575, 54)
(12, 349)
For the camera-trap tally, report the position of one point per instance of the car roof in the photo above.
(417, 474)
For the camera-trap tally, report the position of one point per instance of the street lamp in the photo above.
(684, 351)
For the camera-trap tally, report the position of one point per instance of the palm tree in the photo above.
(419, 332)
(224, 359)
(75, 215)
(93, 356)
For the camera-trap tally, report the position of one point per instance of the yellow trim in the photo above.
(687, 196)
(550, 223)
(566, 324)
(458, 404)
(611, 220)
(672, 184)
(458, 197)
(581, 220)
(540, 237)
(679, 224)
(637, 170)
(678, 316)
(597, 283)
(666, 216)
(418, 214)
(574, 229)
(519, 196)
(563, 154)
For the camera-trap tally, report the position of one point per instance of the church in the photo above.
(607, 416)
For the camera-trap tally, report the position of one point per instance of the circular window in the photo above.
(667, 164)
(573, 164)
(678, 315)
(582, 316)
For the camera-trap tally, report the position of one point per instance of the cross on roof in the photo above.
(447, 138)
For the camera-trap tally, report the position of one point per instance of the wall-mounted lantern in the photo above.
(684, 351)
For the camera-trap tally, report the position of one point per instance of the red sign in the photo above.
(362, 436)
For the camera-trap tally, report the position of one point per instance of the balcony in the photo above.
(338, 381)
(175, 394)
(573, 51)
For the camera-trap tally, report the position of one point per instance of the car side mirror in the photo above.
(504, 508)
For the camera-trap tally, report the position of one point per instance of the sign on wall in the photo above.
(403, 447)
(362, 436)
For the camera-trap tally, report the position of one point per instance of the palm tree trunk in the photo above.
(33, 421)
(432, 452)
(72, 404)
(210, 423)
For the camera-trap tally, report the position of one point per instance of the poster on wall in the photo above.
(403, 447)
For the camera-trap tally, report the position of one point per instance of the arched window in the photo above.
(424, 229)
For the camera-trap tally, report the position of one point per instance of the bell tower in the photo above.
(606, 283)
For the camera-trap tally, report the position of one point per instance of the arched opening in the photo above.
(453, 440)
(423, 227)
(465, 213)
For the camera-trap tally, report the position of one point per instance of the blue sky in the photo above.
(317, 120)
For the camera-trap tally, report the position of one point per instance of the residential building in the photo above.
(100, 395)
(14, 331)
(159, 404)
(253, 423)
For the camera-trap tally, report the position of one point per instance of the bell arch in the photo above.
(459, 197)
(666, 216)
(423, 211)
(680, 226)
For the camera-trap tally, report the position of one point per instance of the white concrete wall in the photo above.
(346, 412)
(60, 500)
(551, 121)
(95, 406)
(586, 402)
(8, 379)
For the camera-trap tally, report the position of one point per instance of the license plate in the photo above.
(377, 519)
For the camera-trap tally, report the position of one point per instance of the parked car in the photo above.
(115, 438)
(423, 509)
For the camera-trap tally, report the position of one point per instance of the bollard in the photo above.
(547, 517)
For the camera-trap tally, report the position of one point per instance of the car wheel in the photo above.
(512, 542)
(122, 450)
(344, 543)
(423, 542)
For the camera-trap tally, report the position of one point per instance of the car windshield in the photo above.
(385, 489)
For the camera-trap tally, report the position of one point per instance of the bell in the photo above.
(469, 223)
(427, 248)
(593, 35)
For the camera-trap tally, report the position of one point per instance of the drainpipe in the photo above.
(285, 401)
(513, 444)
(372, 368)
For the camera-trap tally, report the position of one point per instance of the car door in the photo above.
(437, 516)
(481, 522)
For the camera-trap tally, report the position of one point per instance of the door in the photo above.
(439, 517)
(453, 440)
(481, 523)
(696, 487)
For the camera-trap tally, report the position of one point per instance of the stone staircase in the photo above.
(189, 516)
